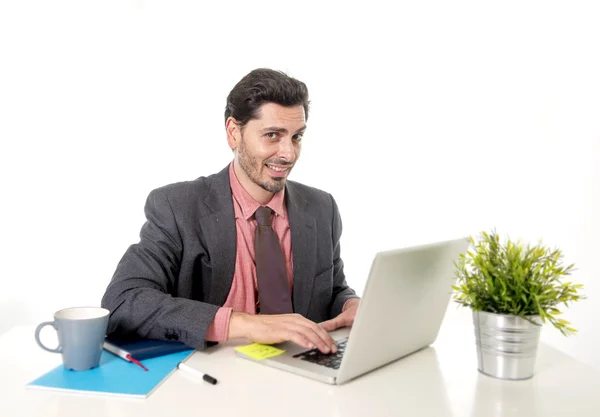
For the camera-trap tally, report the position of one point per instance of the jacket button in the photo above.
(170, 335)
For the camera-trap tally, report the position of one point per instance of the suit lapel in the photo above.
(220, 233)
(304, 248)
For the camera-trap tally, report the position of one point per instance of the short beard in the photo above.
(249, 164)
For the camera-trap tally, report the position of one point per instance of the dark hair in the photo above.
(262, 86)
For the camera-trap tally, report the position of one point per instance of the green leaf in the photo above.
(510, 277)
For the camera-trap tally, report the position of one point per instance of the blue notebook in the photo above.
(148, 348)
(114, 376)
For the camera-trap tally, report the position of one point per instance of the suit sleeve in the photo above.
(139, 295)
(341, 291)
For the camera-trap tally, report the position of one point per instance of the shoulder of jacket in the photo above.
(185, 190)
(311, 194)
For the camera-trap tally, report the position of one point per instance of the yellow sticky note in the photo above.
(258, 351)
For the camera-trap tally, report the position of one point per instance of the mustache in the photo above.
(281, 162)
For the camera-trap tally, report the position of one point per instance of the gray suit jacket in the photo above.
(171, 284)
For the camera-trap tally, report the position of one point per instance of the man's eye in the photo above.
(271, 135)
(298, 137)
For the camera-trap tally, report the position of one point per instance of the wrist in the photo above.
(349, 303)
(238, 324)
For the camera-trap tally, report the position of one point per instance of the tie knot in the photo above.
(263, 216)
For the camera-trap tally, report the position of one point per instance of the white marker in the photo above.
(196, 372)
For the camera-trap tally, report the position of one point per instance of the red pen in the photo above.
(123, 354)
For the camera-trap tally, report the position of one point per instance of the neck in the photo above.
(258, 193)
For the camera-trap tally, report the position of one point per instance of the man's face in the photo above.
(268, 147)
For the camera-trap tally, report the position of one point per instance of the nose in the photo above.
(287, 150)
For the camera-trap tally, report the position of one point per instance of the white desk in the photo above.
(439, 381)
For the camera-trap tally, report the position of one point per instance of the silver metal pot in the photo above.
(506, 345)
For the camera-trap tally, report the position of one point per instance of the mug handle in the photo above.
(37, 336)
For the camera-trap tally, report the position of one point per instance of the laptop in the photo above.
(401, 311)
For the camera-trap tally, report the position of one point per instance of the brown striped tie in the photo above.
(273, 288)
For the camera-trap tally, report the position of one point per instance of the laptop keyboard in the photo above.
(330, 360)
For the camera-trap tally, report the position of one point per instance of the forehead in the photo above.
(272, 114)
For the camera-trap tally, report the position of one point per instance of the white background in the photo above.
(429, 120)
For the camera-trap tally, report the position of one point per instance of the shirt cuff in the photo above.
(219, 328)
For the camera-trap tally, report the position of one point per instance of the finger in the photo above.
(279, 328)
(330, 325)
(271, 329)
(318, 337)
(344, 319)
(322, 335)
(302, 336)
(300, 340)
(313, 332)
(313, 336)
(349, 321)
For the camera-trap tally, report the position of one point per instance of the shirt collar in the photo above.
(248, 204)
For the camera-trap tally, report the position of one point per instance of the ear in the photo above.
(234, 133)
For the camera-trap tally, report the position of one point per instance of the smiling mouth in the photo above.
(278, 168)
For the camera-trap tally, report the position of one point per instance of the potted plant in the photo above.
(512, 290)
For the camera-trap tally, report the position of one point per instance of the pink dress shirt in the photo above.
(243, 296)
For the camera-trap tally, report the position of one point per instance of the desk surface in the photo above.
(441, 380)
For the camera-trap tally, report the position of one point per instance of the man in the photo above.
(216, 251)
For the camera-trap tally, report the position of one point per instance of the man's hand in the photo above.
(279, 328)
(346, 317)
